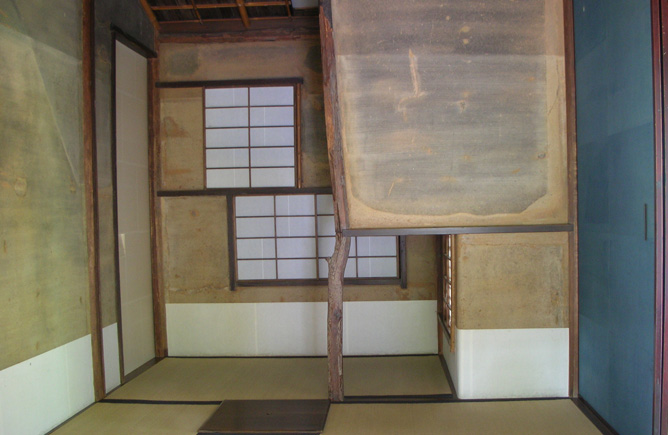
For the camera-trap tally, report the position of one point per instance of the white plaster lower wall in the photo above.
(507, 363)
(300, 328)
(112, 362)
(38, 394)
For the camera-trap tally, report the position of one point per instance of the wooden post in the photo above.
(91, 196)
(337, 267)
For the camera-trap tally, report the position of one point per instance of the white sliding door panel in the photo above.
(132, 202)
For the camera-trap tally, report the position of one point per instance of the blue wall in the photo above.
(613, 63)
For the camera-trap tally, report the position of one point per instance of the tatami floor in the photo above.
(182, 394)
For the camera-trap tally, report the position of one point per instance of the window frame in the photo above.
(235, 282)
(296, 84)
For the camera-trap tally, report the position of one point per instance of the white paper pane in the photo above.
(227, 178)
(226, 137)
(295, 227)
(370, 267)
(272, 96)
(326, 226)
(227, 158)
(254, 206)
(256, 248)
(296, 248)
(273, 157)
(371, 246)
(255, 227)
(256, 269)
(350, 272)
(226, 117)
(272, 136)
(270, 116)
(295, 205)
(227, 97)
(325, 204)
(326, 246)
(273, 177)
(296, 269)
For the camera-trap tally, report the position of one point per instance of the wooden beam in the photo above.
(571, 149)
(332, 117)
(243, 13)
(233, 30)
(428, 231)
(91, 196)
(337, 267)
(150, 14)
(159, 314)
(186, 7)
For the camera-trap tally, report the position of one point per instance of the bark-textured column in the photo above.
(337, 266)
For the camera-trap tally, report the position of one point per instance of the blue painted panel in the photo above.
(615, 181)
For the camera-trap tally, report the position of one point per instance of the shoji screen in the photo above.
(250, 136)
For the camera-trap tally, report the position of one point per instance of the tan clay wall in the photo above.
(507, 281)
(43, 260)
(194, 229)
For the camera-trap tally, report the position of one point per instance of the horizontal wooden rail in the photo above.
(458, 230)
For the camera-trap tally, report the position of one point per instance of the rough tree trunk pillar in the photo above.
(337, 267)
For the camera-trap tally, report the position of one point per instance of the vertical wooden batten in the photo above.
(91, 195)
(660, 79)
(571, 146)
(159, 314)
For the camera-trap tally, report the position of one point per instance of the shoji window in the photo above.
(251, 136)
(290, 237)
(448, 295)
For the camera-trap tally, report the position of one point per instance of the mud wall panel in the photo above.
(510, 281)
(452, 112)
(44, 280)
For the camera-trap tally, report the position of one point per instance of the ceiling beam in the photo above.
(243, 13)
(297, 26)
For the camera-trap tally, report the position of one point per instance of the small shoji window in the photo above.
(448, 296)
(251, 136)
(290, 237)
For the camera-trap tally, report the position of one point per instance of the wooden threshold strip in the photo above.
(161, 402)
(235, 191)
(457, 230)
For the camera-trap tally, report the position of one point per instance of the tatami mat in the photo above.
(394, 376)
(189, 379)
(543, 417)
(117, 419)
(204, 379)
